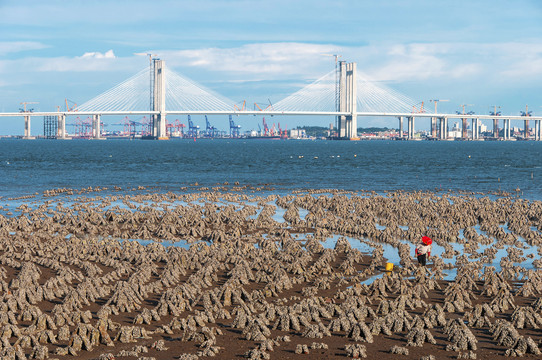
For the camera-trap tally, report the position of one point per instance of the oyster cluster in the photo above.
(217, 273)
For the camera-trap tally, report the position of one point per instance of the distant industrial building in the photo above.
(298, 134)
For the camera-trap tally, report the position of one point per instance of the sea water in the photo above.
(30, 166)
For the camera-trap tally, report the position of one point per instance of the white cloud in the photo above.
(263, 60)
(7, 47)
(516, 62)
(452, 62)
(89, 61)
(97, 55)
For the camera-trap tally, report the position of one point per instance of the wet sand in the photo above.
(239, 272)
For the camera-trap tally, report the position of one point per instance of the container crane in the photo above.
(192, 130)
(283, 132)
(265, 128)
(209, 130)
(127, 126)
(176, 129)
(180, 127)
(83, 128)
(234, 129)
(146, 129)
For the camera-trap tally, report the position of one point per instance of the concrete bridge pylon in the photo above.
(348, 124)
(159, 99)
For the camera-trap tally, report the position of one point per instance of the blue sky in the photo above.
(471, 52)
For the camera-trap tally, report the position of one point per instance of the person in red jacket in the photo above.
(423, 250)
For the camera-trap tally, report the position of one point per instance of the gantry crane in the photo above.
(209, 130)
(265, 128)
(193, 130)
(283, 132)
(234, 129)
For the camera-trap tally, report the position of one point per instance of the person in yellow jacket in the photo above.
(423, 250)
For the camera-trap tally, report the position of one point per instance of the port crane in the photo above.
(209, 130)
(130, 127)
(283, 132)
(146, 129)
(234, 129)
(274, 130)
(83, 128)
(192, 130)
(265, 128)
(176, 128)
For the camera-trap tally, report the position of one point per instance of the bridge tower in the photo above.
(347, 124)
(158, 82)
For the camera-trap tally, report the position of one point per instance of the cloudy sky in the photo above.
(483, 53)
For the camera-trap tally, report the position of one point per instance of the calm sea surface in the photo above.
(27, 167)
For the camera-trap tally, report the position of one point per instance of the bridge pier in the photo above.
(410, 127)
(475, 129)
(434, 127)
(537, 131)
(27, 134)
(400, 127)
(464, 130)
(96, 130)
(444, 128)
(526, 129)
(159, 100)
(348, 125)
(506, 129)
(496, 128)
(61, 128)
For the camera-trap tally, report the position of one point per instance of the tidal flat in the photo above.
(242, 272)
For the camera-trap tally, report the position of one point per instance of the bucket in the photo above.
(389, 266)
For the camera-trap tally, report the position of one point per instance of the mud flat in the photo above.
(235, 272)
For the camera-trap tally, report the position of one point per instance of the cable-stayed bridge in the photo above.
(344, 93)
